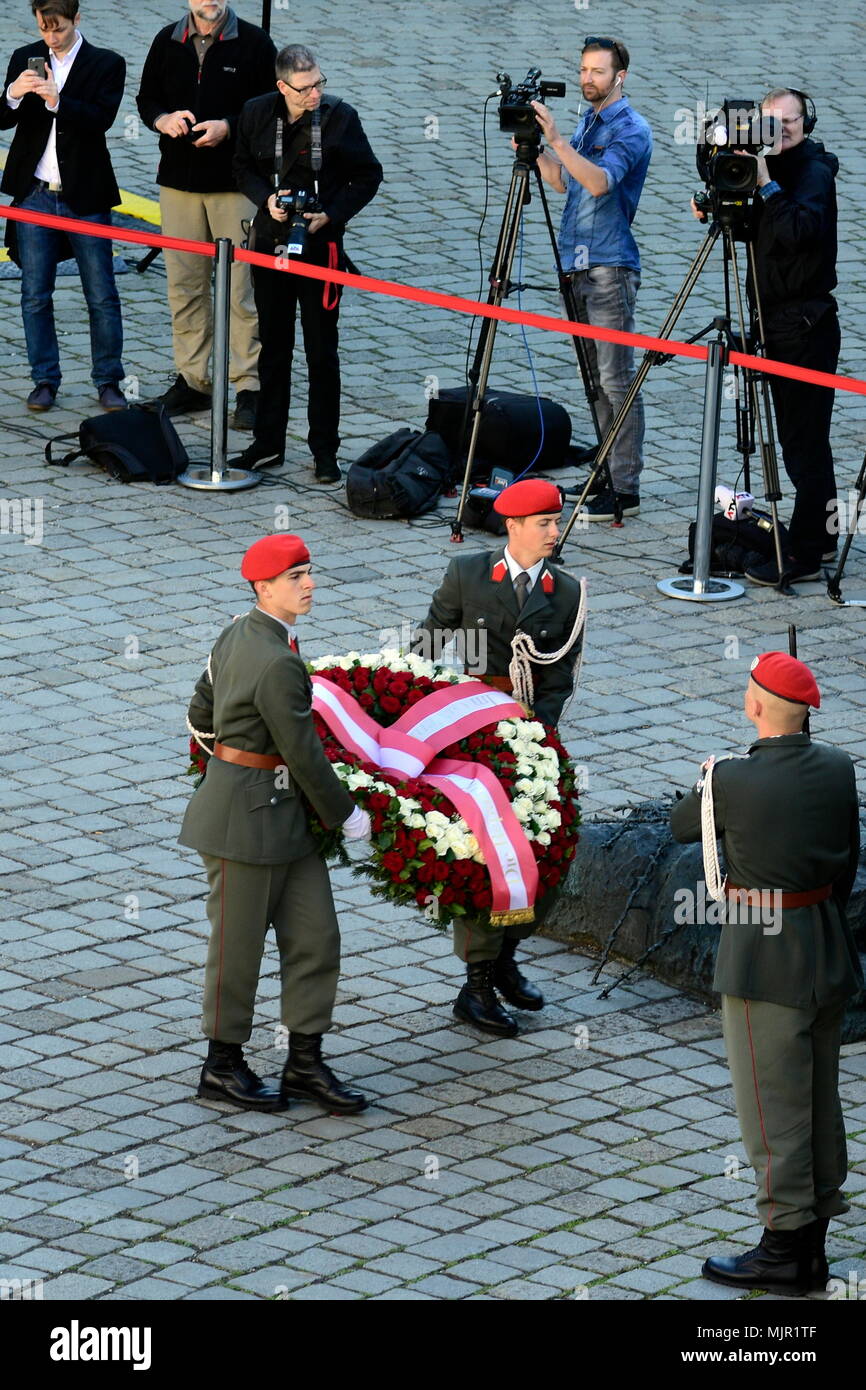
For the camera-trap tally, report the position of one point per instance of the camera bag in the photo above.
(136, 445)
(401, 476)
(734, 542)
(510, 432)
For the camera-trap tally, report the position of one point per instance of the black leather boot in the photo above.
(780, 1264)
(477, 1003)
(512, 985)
(226, 1076)
(307, 1077)
(813, 1236)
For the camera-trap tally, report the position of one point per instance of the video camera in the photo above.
(725, 156)
(516, 116)
(297, 201)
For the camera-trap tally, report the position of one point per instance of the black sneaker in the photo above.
(601, 507)
(244, 417)
(767, 572)
(327, 469)
(257, 457)
(181, 399)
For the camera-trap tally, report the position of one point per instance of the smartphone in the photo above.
(37, 65)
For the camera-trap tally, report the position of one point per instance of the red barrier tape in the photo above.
(395, 290)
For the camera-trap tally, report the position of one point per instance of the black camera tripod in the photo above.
(519, 194)
(754, 414)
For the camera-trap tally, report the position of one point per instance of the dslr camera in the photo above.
(516, 116)
(727, 145)
(297, 201)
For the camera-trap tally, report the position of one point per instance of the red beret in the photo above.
(270, 556)
(528, 498)
(785, 676)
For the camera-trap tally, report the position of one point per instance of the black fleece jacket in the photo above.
(350, 173)
(239, 64)
(795, 241)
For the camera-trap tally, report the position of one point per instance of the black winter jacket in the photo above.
(349, 177)
(795, 240)
(240, 64)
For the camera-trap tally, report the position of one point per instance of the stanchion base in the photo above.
(715, 590)
(200, 476)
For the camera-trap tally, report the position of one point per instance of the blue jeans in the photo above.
(40, 249)
(605, 296)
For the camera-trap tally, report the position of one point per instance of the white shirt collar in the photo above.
(69, 57)
(514, 569)
(289, 629)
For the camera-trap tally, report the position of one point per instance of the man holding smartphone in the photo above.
(61, 95)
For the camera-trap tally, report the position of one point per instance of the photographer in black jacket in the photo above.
(281, 140)
(795, 254)
(197, 76)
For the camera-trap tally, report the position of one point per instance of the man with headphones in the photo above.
(795, 258)
(602, 171)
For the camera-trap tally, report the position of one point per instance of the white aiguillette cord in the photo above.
(525, 653)
(712, 868)
(199, 737)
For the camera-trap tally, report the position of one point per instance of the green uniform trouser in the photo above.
(785, 1069)
(473, 942)
(244, 900)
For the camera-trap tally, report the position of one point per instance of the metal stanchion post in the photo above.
(220, 478)
(700, 588)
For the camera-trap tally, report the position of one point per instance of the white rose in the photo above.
(543, 837)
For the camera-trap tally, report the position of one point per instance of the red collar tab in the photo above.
(547, 582)
(499, 571)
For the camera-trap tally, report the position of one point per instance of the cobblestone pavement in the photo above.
(596, 1155)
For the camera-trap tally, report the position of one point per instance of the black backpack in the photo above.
(403, 475)
(139, 444)
(510, 433)
(734, 541)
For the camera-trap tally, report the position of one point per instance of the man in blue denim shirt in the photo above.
(602, 171)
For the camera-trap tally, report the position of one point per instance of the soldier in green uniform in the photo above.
(247, 820)
(513, 615)
(788, 816)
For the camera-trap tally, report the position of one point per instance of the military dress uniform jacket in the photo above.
(789, 820)
(259, 701)
(472, 599)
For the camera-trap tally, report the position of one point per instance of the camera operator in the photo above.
(602, 171)
(282, 138)
(795, 257)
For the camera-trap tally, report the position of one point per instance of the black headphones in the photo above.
(810, 115)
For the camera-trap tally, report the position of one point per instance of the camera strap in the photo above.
(284, 161)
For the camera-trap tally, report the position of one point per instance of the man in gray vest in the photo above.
(248, 821)
(788, 816)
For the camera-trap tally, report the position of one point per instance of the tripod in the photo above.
(834, 581)
(519, 194)
(754, 414)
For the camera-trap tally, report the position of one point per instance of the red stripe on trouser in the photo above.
(216, 1024)
(760, 1115)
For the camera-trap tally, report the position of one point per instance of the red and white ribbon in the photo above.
(408, 749)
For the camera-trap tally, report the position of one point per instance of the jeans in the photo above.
(803, 415)
(278, 296)
(40, 249)
(605, 297)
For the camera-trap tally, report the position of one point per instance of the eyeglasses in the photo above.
(590, 42)
(313, 87)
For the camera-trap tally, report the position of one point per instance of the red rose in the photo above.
(366, 701)
(484, 898)
(426, 874)
(361, 677)
(378, 801)
(400, 687)
(393, 862)
(447, 895)
(441, 870)
(381, 679)
(389, 704)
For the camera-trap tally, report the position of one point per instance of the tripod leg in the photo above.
(480, 370)
(834, 584)
(649, 359)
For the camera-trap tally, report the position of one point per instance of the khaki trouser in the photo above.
(207, 217)
(785, 1069)
(244, 900)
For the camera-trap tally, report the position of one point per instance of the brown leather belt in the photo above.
(265, 762)
(772, 895)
